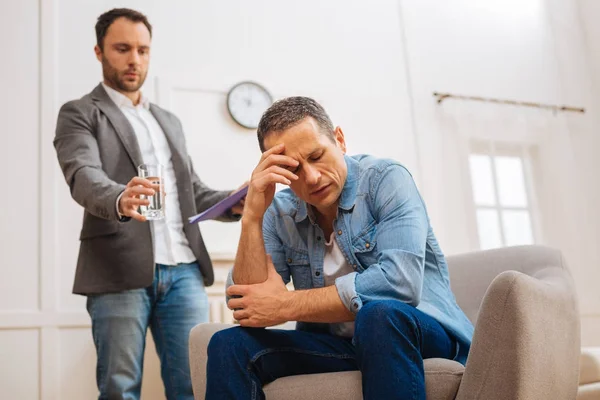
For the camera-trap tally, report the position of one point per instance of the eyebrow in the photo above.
(128, 45)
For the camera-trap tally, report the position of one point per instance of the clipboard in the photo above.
(221, 207)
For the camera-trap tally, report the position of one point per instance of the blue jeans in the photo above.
(391, 339)
(171, 307)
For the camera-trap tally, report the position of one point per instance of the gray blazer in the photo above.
(98, 152)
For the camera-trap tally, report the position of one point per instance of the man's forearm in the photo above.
(95, 192)
(316, 305)
(251, 260)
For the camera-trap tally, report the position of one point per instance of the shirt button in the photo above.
(354, 266)
(317, 273)
(367, 245)
(289, 260)
(340, 232)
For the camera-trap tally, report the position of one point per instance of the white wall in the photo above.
(527, 50)
(588, 15)
(372, 64)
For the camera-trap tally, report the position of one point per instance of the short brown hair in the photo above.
(106, 20)
(285, 113)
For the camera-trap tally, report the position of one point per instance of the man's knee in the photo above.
(231, 341)
(381, 316)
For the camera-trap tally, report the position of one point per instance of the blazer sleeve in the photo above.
(79, 158)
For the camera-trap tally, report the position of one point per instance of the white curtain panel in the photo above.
(545, 139)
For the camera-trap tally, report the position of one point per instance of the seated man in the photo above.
(372, 286)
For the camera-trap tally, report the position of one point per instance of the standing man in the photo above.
(136, 274)
(372, 287)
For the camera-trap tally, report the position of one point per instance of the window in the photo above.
(501, 195)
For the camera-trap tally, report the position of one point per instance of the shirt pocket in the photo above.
(364, 246)
(299, 265)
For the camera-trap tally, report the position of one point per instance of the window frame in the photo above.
(494, 149)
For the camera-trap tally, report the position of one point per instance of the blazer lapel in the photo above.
(120, 123)
(178, 153)
(179, 158)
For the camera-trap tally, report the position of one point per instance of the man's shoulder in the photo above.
(83, 105)
(369, 165)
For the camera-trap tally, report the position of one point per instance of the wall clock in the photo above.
(246, 102)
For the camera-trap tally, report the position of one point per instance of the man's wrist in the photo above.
(287, 309)
(118, 206)
(249, 220)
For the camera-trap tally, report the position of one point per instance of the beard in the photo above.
(118, 80)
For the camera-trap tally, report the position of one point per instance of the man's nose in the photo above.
(134, 57)
(311, 175)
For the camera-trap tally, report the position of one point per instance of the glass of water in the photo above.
(155, 174)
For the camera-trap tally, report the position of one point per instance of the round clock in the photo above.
(246, 103)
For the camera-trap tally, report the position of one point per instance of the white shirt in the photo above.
(171, 246)
(334, 266)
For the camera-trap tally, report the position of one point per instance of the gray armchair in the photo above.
(526, 343)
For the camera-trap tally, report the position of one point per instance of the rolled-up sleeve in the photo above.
(402, 228)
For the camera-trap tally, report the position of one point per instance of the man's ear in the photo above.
(98, 52)
(340, 141)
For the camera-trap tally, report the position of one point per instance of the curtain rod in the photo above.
(443, 96)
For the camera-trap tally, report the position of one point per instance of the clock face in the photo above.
(246, 102)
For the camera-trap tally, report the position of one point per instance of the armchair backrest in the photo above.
(472, 273)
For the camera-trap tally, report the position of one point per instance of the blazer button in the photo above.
(289, 260)
(317, 273)
(340, 232)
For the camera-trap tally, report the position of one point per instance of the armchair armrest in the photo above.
(526, 343)
(199, 338)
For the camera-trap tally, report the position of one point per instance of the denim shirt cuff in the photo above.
(347, 292)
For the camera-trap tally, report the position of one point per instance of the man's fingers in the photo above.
(136, 215)
(134, 202)
(277, 149)
(136, 181)
(277, 160)
(275, 169)
(237, 290)
(138, 190)
(241, 314)
(264, 181)
(232, 304)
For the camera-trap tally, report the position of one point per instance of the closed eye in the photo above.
(317, 156)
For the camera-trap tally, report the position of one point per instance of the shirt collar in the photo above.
(346, 199)
(121, 100)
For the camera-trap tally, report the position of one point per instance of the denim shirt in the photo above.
(383, 230)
